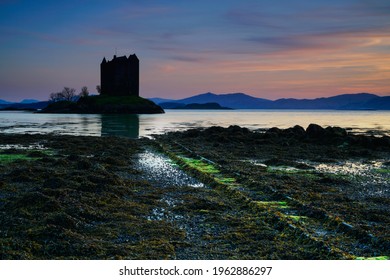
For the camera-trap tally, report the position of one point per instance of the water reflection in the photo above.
(134, 126)
(120, 125)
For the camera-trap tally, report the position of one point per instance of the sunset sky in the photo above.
(266, 48)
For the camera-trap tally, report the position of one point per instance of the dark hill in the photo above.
(24, 106)
(231, 100)
(29, 101)
(358, 101)
(378, 103)
(171, 105)
(4, 102)
(344, 101)
(158, 100)
(203, 106)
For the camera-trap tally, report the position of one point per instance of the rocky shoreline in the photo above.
(213, 193)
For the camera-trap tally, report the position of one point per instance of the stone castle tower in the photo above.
(120, 76)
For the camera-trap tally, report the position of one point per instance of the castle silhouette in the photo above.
(120, 76)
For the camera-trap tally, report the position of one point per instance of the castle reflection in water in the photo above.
(120, 125)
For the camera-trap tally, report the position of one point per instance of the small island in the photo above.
(99, 104)
(119, 92)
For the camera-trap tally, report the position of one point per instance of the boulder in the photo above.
(315, 131)
(274, 130)
(235, 129)
(335, 131)
(297, 131)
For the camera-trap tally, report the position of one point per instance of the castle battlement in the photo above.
(120, 76)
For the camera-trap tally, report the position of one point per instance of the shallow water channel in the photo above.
(160, 170)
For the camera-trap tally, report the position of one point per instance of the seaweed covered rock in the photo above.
(315, 131)
(297, 131)
(335, 131)
(214, 130)
(237, 130)
(333, 135)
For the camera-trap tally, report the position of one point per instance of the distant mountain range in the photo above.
(357, 101)
(26, 104)
(24, 101)
(29, 101)
(203, 106)
(4, 102)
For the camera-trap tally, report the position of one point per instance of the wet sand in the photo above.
(201, 194)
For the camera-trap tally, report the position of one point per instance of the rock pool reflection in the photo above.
(120, 125)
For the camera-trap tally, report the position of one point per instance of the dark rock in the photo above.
(273, 133)
(235, 129)
(274, 130)
(73, 157)
(315, 131)
(84, 164)
(191, 133)
(299, 130)
(384, 141)
(360, 152)
(335, 131)
(32, 199)
(22, 175)
(61, 162)
(278, 162)
(11, 151)
(36, 154)
(55, 182)
(352, 139)
(113, 161)
(368, 141)
(304, 166)
(222, 139)
(296, 131)
(214, 130)
(62, 219)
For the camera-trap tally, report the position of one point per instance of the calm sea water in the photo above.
(375, 122)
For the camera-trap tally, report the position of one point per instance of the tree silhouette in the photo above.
(67, 94)
(84, 92)
(56, 96)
